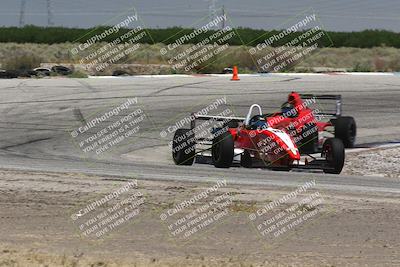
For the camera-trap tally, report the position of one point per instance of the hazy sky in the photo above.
(336, 15)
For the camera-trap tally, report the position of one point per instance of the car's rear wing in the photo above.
(214, 118)
(227, 121)
(337, 112)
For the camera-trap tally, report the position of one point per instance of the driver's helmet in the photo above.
(288, 110)
(260, 123)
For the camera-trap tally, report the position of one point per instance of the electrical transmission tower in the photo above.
(22, 14)
(223, 14)
(212, 9)
(50, 21)
(213, 12)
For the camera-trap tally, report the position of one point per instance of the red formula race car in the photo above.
(281, 141)
(310, 126)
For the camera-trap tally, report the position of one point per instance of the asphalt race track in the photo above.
(38, 115)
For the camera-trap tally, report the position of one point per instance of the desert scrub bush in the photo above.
(356, 59)
(394, 63)
(361, 67)
(379, 64)
(22, 62)
(78, 74)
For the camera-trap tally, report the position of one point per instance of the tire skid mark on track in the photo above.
(261, 92)
(65, 130)
(21, 85)
(174, 87)
(26, 143)
(79, 116)
(46, 158)
(288, 80)
(87, 85)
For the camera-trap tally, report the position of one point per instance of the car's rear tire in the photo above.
(346, 130)
(333, 152)
(183, 147)
(222, 151)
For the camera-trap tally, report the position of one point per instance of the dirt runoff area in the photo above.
(67, 219)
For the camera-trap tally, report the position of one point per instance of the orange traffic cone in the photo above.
(235, 76)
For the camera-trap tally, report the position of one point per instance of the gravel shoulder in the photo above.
(37, 229)
(383, 162)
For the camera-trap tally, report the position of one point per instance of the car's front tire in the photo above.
(222, 150)
(333, 152)
(183, 147)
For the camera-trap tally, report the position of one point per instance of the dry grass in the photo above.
(352, 59)
(24, 61)
(356, 59)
